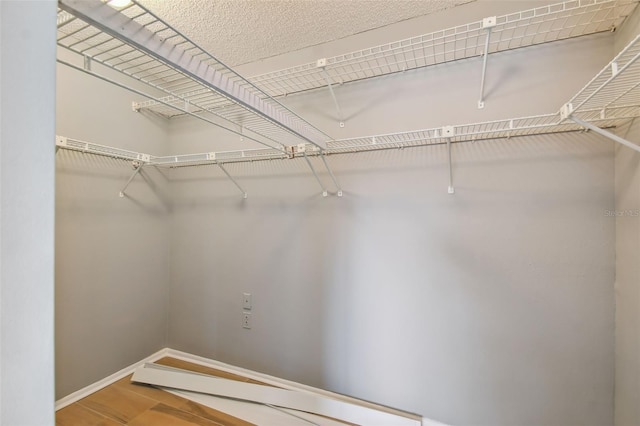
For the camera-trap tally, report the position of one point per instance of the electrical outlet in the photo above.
(246, 301)
(246, 320)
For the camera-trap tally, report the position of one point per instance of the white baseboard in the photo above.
(265, 378)
(94, 387)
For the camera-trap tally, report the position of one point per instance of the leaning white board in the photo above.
(258, 414)
(183, 380)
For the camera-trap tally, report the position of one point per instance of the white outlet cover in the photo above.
(246, 301)
(246, 320)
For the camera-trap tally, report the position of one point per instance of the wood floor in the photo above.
(126, 403)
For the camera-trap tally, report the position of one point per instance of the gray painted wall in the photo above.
(493, 306)
(627, 391)
(27, 83)
(627, 290)
(112, 254)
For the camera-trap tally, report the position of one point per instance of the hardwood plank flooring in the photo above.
(127, 403)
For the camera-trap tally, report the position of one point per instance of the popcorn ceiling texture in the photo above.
(242, 31)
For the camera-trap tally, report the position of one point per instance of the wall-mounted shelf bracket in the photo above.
(87, 62)
(487, 23)
(137, 165)
(302, 149)
(244, 193)
(333, 177)
(449, 132)
(606, 133)
(322, 63)
(566, 111)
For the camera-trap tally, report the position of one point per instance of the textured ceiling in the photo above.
(242, 31)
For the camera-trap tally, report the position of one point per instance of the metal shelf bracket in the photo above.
(322, 63)
(244, 193)
(449, 132)
(333, 177)
(606, 134)
(302, 149)
(87, 63)
(487, 23)
(137, 165)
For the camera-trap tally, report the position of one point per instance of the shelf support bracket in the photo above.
(322, 63)
(606, 134)
(449, 132)
(324, 191)
(333, 177)
(136, 165)
(244, 193)
(487, 23)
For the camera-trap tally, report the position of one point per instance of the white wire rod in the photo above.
(333, 177)
(617, 66)
(333, 96)
(607, 134)
(509, 28)
(184, 111)
(126, 185)
(324, 191)
(244, 193)
(136, 34)
(485, 55)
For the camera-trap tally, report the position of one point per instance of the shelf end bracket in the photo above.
(487, 23)
(333, 177)
(322, 63)
(606, 133)
(302, 148)
(244, 193)
(449, 132)
(137, 165)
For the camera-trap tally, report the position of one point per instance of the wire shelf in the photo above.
(525, 126)
(617, 84)
(526, 28)
(97, 32)
(219, 157)
(102, 150)
(498, 129)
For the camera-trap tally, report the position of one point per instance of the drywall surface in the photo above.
(627, 346)
(27, 82)
(493, 306)
(112, 253)
(627, 219)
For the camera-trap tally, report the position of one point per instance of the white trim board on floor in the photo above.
(303, 401)
(258, 414)
(206, 362)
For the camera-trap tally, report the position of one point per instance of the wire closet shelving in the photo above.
(610, 99)
(521, 29)
(135, 42)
